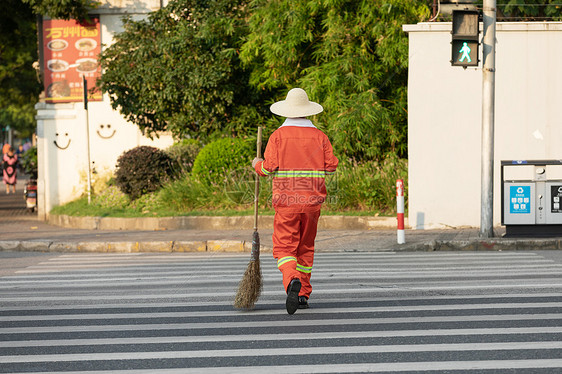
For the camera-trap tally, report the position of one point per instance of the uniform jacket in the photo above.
(298, 156)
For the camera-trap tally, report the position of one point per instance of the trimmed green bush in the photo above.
(183, 154)
(221, 160)
(142, 170)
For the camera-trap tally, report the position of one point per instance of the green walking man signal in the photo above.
(465, 50)
(465, 34)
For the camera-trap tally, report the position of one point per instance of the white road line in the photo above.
(87, 272)
(98, 271)
(393, 367)
(374, 261)
(282, 323)
(96, 305)
(284, 336)
(168, 277)
(291, 352)
(318, 290)
(226, 313)
(325, 255)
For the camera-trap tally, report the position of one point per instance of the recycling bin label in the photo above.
(556, 199)
(519, 199)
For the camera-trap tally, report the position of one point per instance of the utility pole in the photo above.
(488, 107)
(85, 84)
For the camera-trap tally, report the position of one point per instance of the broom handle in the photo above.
(257, 188)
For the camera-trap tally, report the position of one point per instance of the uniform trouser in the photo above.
(293, 246)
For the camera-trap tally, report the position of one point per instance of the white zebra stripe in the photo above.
(546, 283)
(53, 284)
(330, 311)
(284, 323)
(292, 352)
(386, 367)
(332, 280)
(96, 305)
(286, 336)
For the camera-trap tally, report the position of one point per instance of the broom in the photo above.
(251, 283)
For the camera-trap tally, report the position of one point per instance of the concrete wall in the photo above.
(61, 128)
(445, 117)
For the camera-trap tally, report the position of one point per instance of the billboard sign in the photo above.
(70, 51)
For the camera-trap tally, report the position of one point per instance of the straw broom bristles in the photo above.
(251, 284)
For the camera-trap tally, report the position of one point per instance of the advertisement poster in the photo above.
(70, 51)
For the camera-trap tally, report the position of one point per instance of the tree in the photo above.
(63, 9)
(528, 10)
(19, 83)
(19, 86)
(179, 70)
(351, 56)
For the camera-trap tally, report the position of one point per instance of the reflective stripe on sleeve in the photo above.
(265, 171)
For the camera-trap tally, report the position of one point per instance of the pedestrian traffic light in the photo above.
(465, 35)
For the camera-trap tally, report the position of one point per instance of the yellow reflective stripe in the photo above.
(304, 269)
(265, 171)
(300, 174)
(284, 260)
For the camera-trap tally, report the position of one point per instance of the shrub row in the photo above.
(145, 169)
(218, 176)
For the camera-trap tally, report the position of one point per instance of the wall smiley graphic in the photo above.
(61, 141)
(105, 131)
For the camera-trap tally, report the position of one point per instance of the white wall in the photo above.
(445, 117)
(63, 172)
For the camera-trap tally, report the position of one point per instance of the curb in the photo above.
(130, 247)
(213, 223)
(484, 245)
(240, 246)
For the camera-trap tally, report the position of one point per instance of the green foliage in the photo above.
(369, 186)
(351, 56)
(189, 194)
(183, 154)
(111, 197)
(221, 160)
(64, 9)
(364, 189)
(142, 170)
(81, 208)
(527, 10)
(19, 85)
(179, 70)
(29, 162)
(147, 203)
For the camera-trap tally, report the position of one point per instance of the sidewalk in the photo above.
(20, 230)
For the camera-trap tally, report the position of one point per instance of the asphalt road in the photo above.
(447, 312)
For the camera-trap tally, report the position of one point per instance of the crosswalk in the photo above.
(386, 312)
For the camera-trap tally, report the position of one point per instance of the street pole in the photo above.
(488, 107)
(85, 84)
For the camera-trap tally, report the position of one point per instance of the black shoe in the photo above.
(292, 302)
(303, 302)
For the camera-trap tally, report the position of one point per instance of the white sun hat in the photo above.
(296, 105)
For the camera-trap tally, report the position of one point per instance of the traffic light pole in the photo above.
(488, 107)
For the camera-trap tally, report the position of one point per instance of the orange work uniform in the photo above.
(298, 156)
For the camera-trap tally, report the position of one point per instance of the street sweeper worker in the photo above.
(298, 156)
